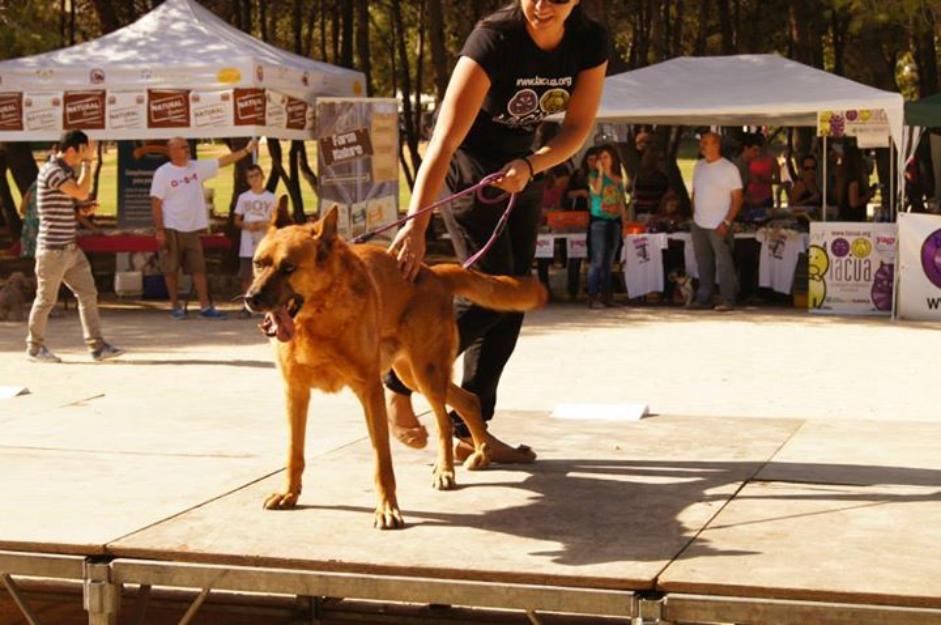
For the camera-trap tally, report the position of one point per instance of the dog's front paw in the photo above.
(281, 501)
(388, 517)
(443, 479)
(479, 459)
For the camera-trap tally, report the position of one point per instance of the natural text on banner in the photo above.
(357, 150)
(851, 268)
(920, 266)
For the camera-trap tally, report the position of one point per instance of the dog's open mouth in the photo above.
(280, 321)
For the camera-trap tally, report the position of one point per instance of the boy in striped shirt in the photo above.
(58, 258)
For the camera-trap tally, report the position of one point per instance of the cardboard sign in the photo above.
(385, 164)
(920, 266)
(296, 114)
(249, 107)
(11, 111)
(168, 108)
(347, 146)
(577, 245)
(127, 111)
(545, 246)
(851, 268)
(84, 110)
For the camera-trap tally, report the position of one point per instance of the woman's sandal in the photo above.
(415, 437)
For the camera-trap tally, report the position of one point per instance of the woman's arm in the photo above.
(24, 203)
(462, 101)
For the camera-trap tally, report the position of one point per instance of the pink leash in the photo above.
(478, 189)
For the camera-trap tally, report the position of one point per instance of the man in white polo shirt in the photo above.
(179, 211)
(717, 198)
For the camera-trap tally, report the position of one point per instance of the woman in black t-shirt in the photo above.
(523, 63)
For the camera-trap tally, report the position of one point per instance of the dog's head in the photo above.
(678, 277)
(23, 285)
(291, 265)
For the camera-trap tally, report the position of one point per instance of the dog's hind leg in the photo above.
(468, 407)
(371, 396)
(298, 400)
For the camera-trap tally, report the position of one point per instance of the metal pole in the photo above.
(892, 181)
(823, 207)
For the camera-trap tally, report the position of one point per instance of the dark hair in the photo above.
(809, 157)
(511, 16)
(751, 139)
(72, 139)
(615, 157)
(592, 151)
(254, 167)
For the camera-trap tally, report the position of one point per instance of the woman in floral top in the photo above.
(607, 213)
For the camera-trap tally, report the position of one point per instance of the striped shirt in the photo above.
(56, 209)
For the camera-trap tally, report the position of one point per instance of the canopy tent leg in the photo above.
(826, 181)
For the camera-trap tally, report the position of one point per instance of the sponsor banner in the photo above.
(137, 162)
(84, 110)
(869, 126)
(296, 111)
(577, 245)
(545, 246)
(851, 268)
(249, 107)
(42, 112)
(346, 159)
(920, 266)
(276, 110)
(168, 108)
(11, 110)
(127, 110)
(346, 146)
(211, 109)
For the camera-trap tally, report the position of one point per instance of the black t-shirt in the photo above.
(526, 83)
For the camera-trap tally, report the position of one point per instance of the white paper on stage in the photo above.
(601, 412)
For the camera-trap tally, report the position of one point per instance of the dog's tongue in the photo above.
(279, 323)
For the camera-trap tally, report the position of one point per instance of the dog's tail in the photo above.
(504, 293)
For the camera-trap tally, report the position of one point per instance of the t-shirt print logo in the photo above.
(776, 247)
(184, 180)
(640, 250)
(554, 101)
(523, 103)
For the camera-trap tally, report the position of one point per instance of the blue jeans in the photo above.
(604, 242)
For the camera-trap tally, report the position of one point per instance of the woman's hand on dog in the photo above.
(409, 250)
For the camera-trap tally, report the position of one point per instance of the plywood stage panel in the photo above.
(607, 505)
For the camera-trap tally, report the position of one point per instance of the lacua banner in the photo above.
(920, 270)
(851, 268)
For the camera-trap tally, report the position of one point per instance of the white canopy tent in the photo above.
(742, 90)
(177, 71)
(748, 89)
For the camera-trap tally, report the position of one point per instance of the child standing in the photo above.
(252, 215)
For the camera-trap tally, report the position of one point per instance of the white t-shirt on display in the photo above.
(778, 259)
(253, 207)
(643, 263)
(181, 190)
(713, 184)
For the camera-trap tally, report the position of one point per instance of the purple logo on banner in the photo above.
(931, 257)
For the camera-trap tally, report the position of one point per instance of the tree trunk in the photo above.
(311, 28)
(346, 45)
(107, 16)
(306, 170)
(926, 51)
(97, 175)
(362, 43)
(335, 31)
(263, 20)
(323, 30)
(419, 69)
(294, 184)
(8, 214)
(699, 48)
(439, 60)
(725, 25)
(411, 134)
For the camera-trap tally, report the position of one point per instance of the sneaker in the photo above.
(106, 352)
(178, 314)
(722, 308)
(211, 313)
(42, 354)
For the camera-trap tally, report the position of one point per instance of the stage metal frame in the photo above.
(103, 580)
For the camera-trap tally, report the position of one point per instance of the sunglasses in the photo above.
(559, 1)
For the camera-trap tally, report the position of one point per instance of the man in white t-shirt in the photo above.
(717, 198)
(253, 212)
(179, 211)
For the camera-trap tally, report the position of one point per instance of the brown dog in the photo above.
(14, 295)
(342, 315)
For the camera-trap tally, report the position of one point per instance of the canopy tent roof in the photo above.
(925, 113)
(179, 45)
(750, 89)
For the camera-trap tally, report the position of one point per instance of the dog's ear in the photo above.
(280, 216)
(325, 231)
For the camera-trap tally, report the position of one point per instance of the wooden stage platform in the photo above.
(681, 519)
